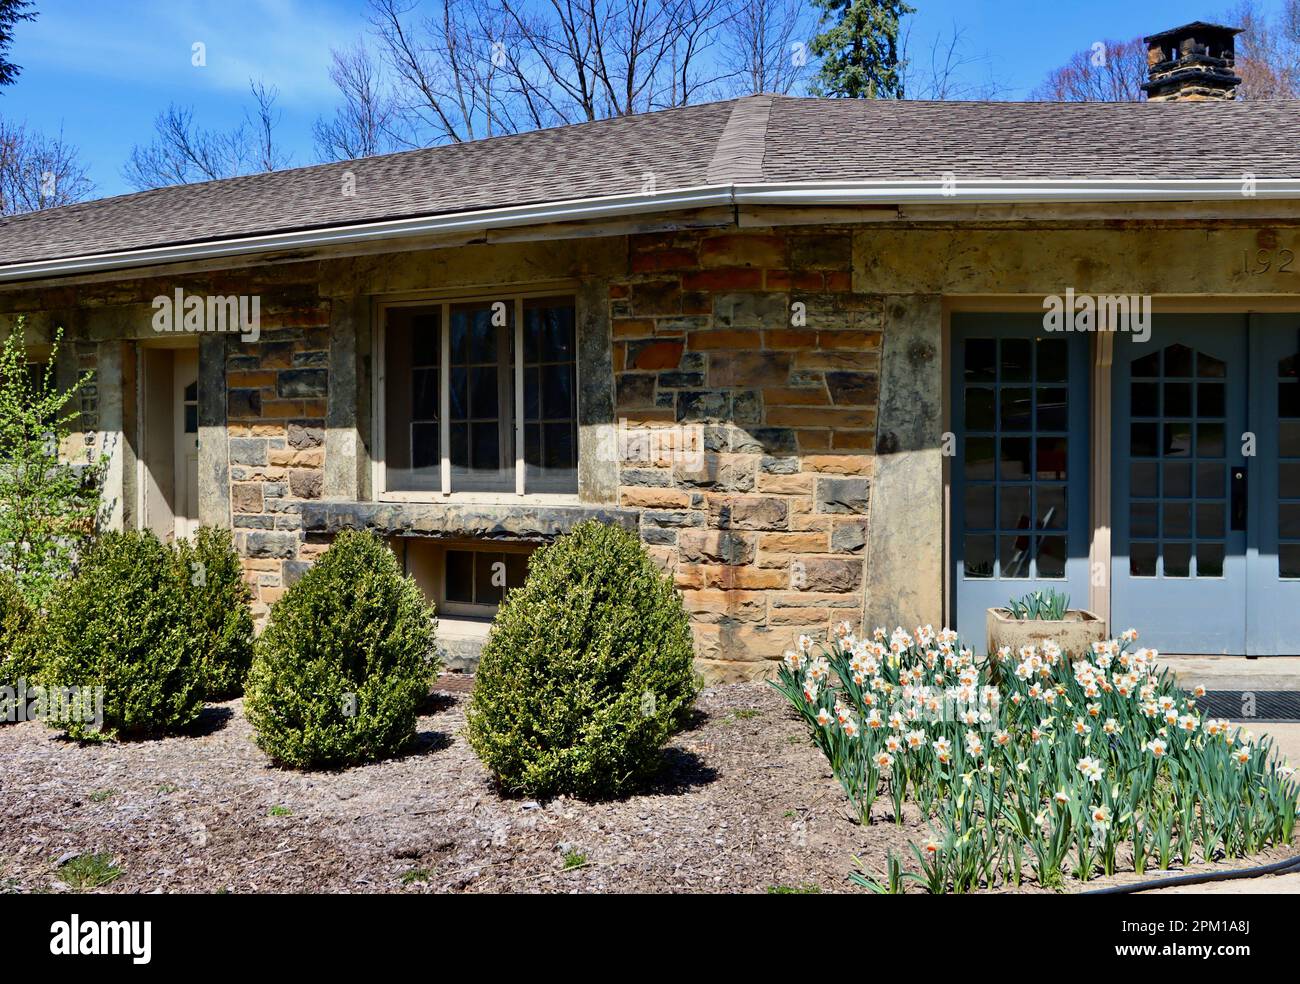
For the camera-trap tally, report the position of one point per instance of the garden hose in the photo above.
(1284, 866)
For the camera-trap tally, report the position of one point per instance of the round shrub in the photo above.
(587, 671)
(345, 660)
(217, 598)
(121, 624)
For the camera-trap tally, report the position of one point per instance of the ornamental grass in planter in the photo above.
(1042, 617)
(1060, 769)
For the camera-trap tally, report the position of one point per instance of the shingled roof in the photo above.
(751, 141)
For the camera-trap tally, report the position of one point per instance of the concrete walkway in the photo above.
(1236, 672)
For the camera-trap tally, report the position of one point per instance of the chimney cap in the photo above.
(1195, 27)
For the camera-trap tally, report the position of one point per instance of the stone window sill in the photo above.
(525, 521)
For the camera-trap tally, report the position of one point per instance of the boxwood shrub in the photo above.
(587, 671)
(17, 641)
(344, 661)
(122, 624)
(217, 597)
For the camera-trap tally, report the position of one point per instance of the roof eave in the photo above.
(932, 191)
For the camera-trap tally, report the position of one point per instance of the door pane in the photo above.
(1177, 501)
(1015, 457)
(1288, 474)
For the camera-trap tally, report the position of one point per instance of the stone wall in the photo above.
(748, 371)
(276, 391)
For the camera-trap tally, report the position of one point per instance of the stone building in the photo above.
(798, 345)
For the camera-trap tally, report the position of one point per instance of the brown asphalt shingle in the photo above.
(751, 140)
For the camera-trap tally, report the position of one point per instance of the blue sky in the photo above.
(102, 69)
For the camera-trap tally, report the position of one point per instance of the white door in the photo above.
(185, 418)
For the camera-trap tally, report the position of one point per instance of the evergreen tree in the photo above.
(858, 45)
(11, 12)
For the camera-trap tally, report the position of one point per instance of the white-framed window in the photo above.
(468, 580)
(477, 396)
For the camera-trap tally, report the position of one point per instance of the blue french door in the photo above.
(1020, 466)
(1273, 548)
(1179, 489)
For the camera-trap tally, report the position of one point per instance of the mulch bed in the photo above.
(744, 804)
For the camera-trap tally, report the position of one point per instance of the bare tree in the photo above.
(183, 152)
(762, 45)
(1268, 52)
(38, 172)
(363, 125)
(463, 70)
(444, 68)
(1109, 71)
(941, 75)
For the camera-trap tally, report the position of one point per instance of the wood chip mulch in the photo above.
(744, 804)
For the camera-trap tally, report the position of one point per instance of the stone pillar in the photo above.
(905, 535)
(597, 440)
(111, 439)
(214, 457)
(343, 460)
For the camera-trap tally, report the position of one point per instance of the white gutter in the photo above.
(617, 206)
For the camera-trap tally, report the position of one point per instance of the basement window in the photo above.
(479, 396)
(468, 580)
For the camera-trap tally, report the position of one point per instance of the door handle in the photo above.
(1240, 485)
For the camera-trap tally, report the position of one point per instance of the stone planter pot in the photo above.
(1075, 633)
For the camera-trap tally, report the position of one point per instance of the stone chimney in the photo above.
(1192, 63)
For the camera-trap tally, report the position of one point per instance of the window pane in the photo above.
(978, 559)
(1209, 560)
(482, 397)
(1178, 361)
(1051, 507)
(1146, 400)
(489, 578)
(1014, 507)
(1142, 559)
(1016, 356)
(1178, 439)
(1178, 519)
(979, 507)
(1288, 560)
(412, 348)
(1053, 458)
(1178, 480)
(1142, 520)
(516, 569)
(460, 576)
(981, 360)
(979, 457)
(1051, 556)
(1053, 360)
(1142, 440)
(979, 409)
(1144, 479)
(1052, 415)
(1210, 481)
(1014, 556)
(550, 396)
(1178, 400)
(1210, 400)
(1178, 559)
(1015, 409)
(1210, 520)
(1015, 458)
